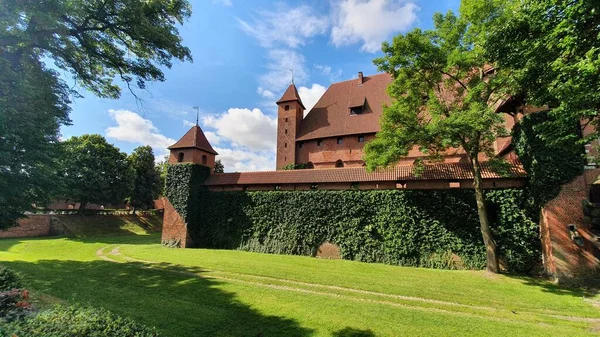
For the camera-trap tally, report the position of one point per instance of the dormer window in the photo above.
(356, 110)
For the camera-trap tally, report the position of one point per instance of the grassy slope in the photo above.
(229, 293)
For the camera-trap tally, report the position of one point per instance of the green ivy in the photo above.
(551, 153)
(438, 229)
(183, 183)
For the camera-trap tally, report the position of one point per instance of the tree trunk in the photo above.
(82, 207)
(133, 211)
(484, 222)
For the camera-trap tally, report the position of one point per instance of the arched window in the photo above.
(180, 157)
(339, 163)
(204, 159)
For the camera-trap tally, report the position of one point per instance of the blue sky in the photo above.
(243, 55)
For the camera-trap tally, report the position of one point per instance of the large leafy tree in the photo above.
(219, 167)
(101, 44)
(443, 94)
(552, 48)
(95, 171)
(146, 178)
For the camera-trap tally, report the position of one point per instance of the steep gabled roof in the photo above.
(290, 95)
(194, 138)
(331, 117)
(438, 171)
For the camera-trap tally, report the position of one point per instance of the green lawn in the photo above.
(230, 293)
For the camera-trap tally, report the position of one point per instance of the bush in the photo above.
(9, 279)
(78, 322)
(14, 305)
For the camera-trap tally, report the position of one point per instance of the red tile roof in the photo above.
(331, 117)
(441, 171)
(290, 95)
(194, 138)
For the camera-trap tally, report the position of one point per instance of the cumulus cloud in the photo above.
(328, 72)
(133, 128)
(371, 22)
(212, 137)
(246, 128)
(289, 26)
(188, 123)
(239, 160)
(310, 96)
(279, 70)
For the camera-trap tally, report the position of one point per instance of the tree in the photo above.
(146, 178)
(162, 168)
(442, 92)
(219, 167)
(95, 41)
(553, 51)
(95, 171)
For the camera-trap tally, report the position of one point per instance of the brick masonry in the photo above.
(32, 226)
(563, 258)
(174, 232)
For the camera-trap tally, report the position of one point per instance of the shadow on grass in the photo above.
(351, 332)
(548, 286)
(172, 299)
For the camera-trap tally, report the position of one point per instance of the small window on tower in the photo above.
(285, 145)
(339, 164)
(361, 139)
(340, 140)
(319, 142)
(180, 157)
(286, 131)
(287, 107)
(286, 119)
(204, 159)
(300, 145)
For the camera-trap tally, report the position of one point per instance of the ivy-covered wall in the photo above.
(438, 229)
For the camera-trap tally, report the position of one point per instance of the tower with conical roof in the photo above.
(290, 113)
(193, 147)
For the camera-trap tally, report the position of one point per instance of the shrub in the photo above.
(78, 322)
(14, 305)
(8, 279)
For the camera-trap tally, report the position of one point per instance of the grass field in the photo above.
(231, 293)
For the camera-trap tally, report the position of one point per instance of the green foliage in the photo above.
(219, 167)
(98, 41)
(8, 279)
(551, 154)
(146, 181)
(184, 182)
(78, 322)
(33, 106)
(552, 50)
(300, 166)
(410, 228)
(95, 171)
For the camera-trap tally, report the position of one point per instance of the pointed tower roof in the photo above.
(290, 95)
(194, 138)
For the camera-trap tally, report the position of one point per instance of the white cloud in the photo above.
(265, 93)
(371, 22)
(289, 26)
(333, 76)
(212, 137)
(246, 128)
(238, 160)
(310, 96)
(280, 66)
(133, 128)
(188, 123)
(227, 3)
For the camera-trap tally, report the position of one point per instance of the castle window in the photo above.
(340, 140)
(287, 107)
(180, 157)
(286, 119)
(285, 145)
(285, 131)
(361, 139)
(339, 163)
(356, 110)
(204, 159)
(310, 165)
(314, 186)
(300, 144)
(319, 142)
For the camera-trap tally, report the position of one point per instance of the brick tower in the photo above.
(193, 147)
(290, 113)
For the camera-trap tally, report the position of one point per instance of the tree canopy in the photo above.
(95, 171)
(102, 45)
(219, 167)
(146, 178)
(443, 97)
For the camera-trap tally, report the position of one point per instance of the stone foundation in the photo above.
(32, 226)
